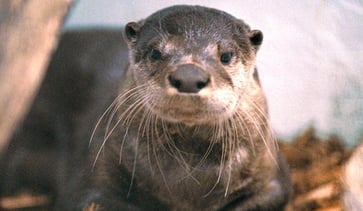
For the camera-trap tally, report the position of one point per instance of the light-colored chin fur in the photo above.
(202, 108)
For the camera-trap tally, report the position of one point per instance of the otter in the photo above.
(189, 128)
(185, 127)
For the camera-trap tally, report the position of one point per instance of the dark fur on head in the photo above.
(190, 125)
(189, 128)
(191, 22)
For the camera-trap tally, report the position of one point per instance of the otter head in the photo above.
(194, 64)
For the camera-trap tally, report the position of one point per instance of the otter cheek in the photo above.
(224, 101)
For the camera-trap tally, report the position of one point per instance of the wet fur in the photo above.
(188, 152)
(154, 148)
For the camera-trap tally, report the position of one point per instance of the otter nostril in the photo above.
(188, 78)
(202, 84)
(175, 83)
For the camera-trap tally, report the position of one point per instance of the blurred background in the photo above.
(310, 63)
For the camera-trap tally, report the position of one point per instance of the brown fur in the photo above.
(158, 147)
(205, 145)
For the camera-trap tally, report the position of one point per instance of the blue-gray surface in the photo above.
(311, 61)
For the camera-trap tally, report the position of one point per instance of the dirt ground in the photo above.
(316, 167)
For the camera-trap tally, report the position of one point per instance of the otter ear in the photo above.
(132, 31)
(256, 38)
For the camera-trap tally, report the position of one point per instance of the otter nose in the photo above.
(189, 78)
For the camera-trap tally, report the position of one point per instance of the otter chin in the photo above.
(189, 128)
(194, 109)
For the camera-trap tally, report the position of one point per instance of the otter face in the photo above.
(196, 64)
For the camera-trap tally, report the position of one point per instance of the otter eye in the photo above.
(155, 54)
(226, 58)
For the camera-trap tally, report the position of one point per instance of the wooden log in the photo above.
(28, 34)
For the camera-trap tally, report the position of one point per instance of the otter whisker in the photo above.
(172, 149)
(212, 142)
(245, 129)
(267, 124)
(158, 164)
(141, 130)
(133, 166)
(232, 146)
(120, 99)
(176, 153)
(262, 136)
(150, 128)
(228, 150)
(129, 114)
(127, 96)
(101, 118)
(122, 144)
(107, 136)
(220, 128)
(136, 106)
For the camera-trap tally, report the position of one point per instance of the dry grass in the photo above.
(316, 167)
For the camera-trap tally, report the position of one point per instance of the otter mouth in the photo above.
(187, 117)
(191, 110)
(182, 110)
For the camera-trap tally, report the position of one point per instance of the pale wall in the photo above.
(311, 61)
